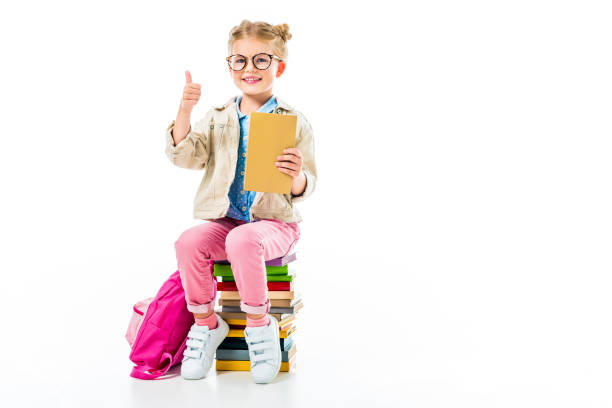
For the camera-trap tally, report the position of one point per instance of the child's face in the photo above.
(249, 47)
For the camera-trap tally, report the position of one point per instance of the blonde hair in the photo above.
(276, 35)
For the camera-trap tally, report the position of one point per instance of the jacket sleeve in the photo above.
(305, 144)
(193, 151)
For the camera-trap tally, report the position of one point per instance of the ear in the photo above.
(281, 68)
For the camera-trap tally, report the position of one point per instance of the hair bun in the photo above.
(283, 31)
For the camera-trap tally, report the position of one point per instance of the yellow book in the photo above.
(286, 331)
(238, 319)
(272, 294)
(245, 365)
(286, 321)
(283, 333)
(269, 135)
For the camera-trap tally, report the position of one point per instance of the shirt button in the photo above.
(243, 208)
(242, 173)
(243, 154)
(242, 192)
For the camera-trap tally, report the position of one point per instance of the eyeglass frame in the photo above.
(272, 56)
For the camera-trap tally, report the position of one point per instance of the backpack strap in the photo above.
(148, 373)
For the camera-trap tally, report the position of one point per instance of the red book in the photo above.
(271, 286)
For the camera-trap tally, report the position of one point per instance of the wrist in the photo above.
(299, 184)
(184, 112)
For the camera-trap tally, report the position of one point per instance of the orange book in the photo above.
(283, 333)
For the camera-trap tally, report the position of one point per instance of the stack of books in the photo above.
(233, 353)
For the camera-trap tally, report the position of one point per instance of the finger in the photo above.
(188, 77)
(287, 165)
(292, 173)
(293, 150)
(193, 85)
(193, 92)
(289, 157)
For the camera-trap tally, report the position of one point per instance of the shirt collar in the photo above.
(267, 107)
(232, 102)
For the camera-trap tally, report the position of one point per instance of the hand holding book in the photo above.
(291, 163)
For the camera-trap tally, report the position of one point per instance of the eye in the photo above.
(240, 60)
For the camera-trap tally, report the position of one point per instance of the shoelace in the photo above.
(261, 344)
(196, 343)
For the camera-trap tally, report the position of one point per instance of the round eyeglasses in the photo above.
(261, 61)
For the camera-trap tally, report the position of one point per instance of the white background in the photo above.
(456, 251)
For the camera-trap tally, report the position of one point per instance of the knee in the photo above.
(239, 240)
(188, 241)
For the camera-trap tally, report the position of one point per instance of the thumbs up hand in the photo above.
(191, 94)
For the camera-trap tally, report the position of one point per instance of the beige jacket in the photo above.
(212, 145)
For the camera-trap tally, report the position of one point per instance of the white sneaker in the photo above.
(264, 351)
(200, 351)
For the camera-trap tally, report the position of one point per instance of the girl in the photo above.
(245, 227)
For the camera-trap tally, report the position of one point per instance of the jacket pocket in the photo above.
(275, 202)
(217, 131)
(206, 191)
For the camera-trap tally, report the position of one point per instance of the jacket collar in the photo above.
(280, 103)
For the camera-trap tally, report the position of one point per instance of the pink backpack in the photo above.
(158, 330)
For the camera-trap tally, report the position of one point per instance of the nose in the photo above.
(249, 62)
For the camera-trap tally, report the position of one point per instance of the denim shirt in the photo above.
(241, 199)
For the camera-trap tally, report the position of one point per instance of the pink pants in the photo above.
(245, 245)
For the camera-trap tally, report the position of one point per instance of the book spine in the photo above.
(237, 343)
(226, 270)
(272, 294)
(281, 261)
(238, 365)
(271, 286)
(269, 278)
(236, 309)
(224, 354)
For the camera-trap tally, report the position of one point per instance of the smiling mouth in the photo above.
(251, 80)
